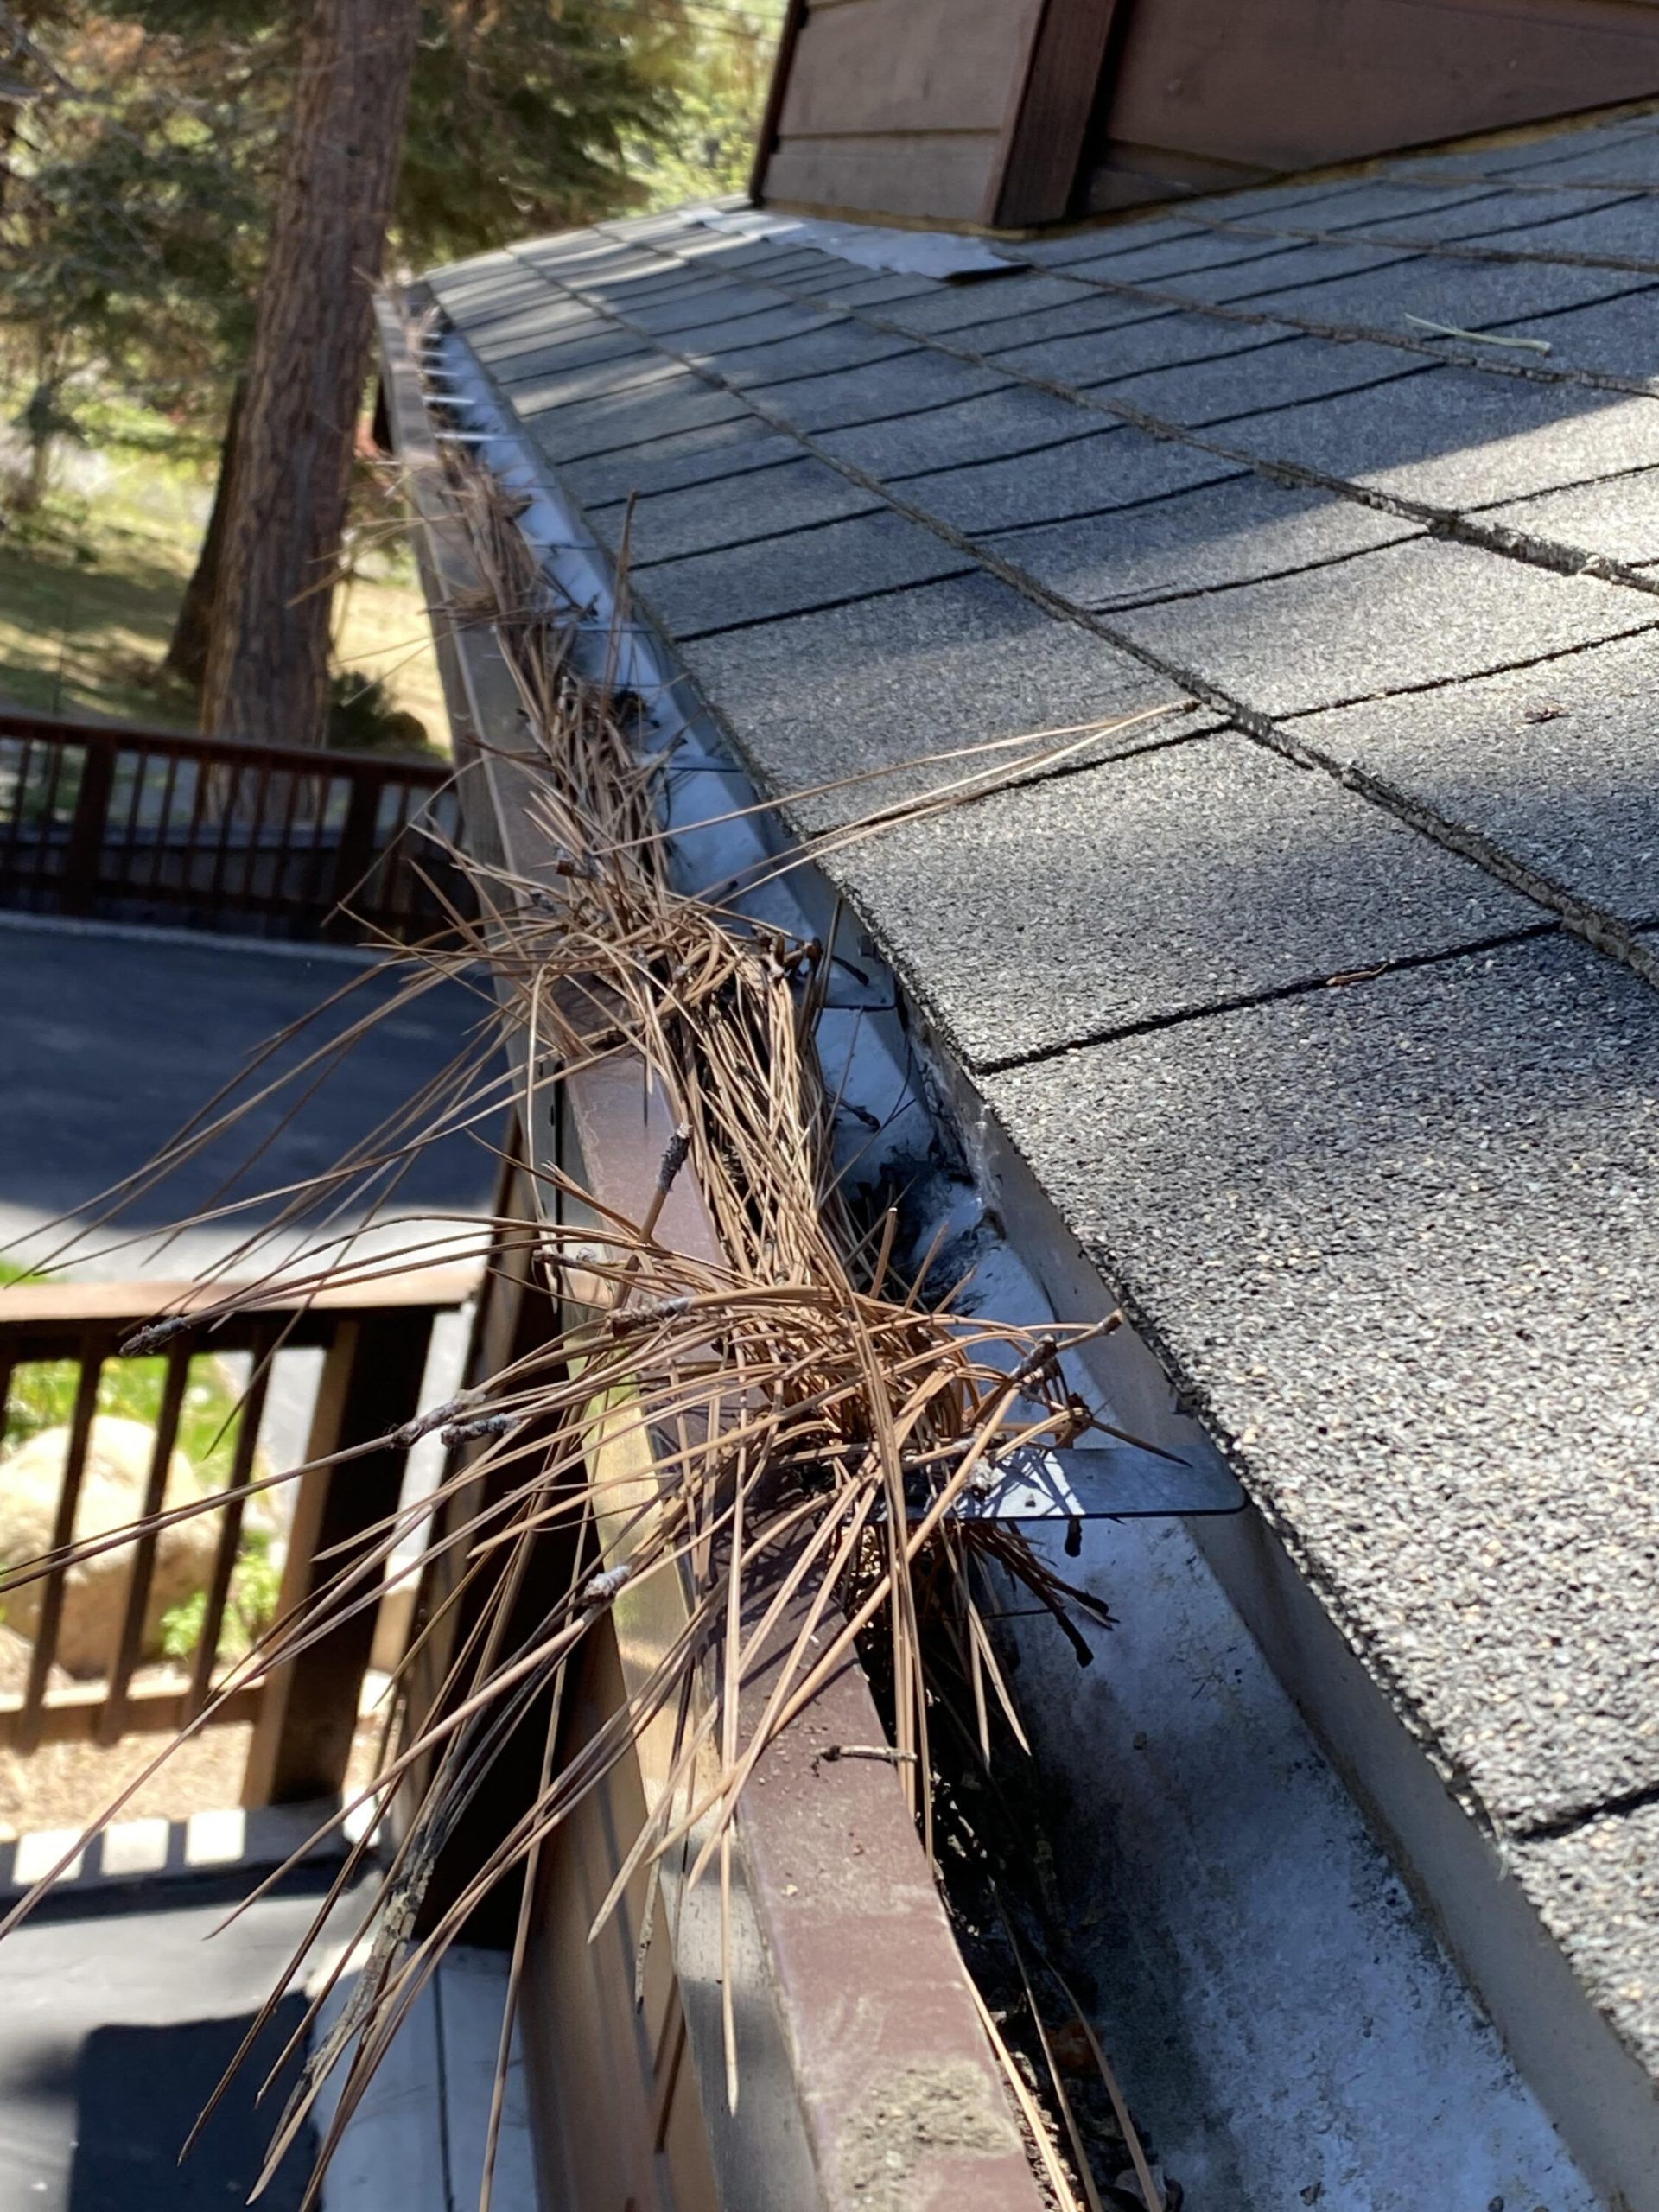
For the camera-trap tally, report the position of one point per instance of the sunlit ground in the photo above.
(90, 585)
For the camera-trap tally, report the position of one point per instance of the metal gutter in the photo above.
(1327, 1895)
(863, 2068)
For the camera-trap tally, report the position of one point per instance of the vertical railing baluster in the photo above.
(403, 891)
(371, 1383)
(256, 830)
(112, 1718)
(121, 871)
(281, 892)
(202, 779)
(229, 777)
(163, 823)
(45, 846)
(11, 829)
(27, 1734)
(357, 847)
(83, 860)
(230, 1532)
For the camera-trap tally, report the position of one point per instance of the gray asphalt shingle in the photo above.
(632, 417)
(711, 338)
(1616, 516)
(1188, 252)
(1496, 219)
(1470, 294)
(1557, 763)
(1110, 468)
(1611, 157)
(988, 299)
(884, 391)
(544, 327)
(737, 442)
(1011, 421)
(1092, 310)
(713, 306)
(1362, 202)
(1154, 229)
(1615, 337)
(1404, 1234)
(732, 510)
(830, 347)
(1459, 439)
(1420, 612)
(770, 576)
(888, 680)
(1309, 269)
(1624, 228)
(1262, 377)
(1202, 540)
(1155, 887)
(537, 389)
(550, 366)
(884, 291)
(1597, 1890)
(1164, 340)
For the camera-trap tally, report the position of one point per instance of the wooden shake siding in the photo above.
(899, 107)
(1014, 113)
(1204, 92)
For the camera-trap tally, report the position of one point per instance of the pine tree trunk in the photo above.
(267, 676)
(186, 653)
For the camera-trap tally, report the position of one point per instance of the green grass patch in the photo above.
(42, 1395)
(90, 584)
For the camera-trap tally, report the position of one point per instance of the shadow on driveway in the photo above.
(112, 1042)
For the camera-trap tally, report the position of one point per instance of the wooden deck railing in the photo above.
(131, 824)
(374, 1340)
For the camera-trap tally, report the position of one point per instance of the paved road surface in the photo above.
(111, 1040)
(113, 2031)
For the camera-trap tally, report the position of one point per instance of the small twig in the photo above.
(887, 1752)
(1480, 337)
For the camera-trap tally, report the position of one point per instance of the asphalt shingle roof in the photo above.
(1325, 1008)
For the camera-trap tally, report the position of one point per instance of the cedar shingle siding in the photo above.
(1011, 113)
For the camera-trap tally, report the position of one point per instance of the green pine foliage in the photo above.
(135, 191)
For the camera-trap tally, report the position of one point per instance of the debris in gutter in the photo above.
(806, 1397)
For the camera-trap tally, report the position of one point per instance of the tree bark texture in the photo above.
(187, 653)
(267, 676)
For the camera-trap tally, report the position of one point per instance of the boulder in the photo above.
(15, 1652)
(111, 1496)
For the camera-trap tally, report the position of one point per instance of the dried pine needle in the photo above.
(811, 1416)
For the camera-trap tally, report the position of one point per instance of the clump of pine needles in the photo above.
(808, 1419)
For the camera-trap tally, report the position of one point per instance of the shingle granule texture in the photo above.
(1557, 763)
(1176, 880)
(1402, 1239)
(1415, 613)
(887, 680)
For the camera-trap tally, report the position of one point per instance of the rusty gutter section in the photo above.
(865, 2079)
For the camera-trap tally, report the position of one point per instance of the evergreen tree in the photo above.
(140, 150)
(287, 495)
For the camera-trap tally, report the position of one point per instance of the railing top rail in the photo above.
(114, 1305)
(65, 729)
